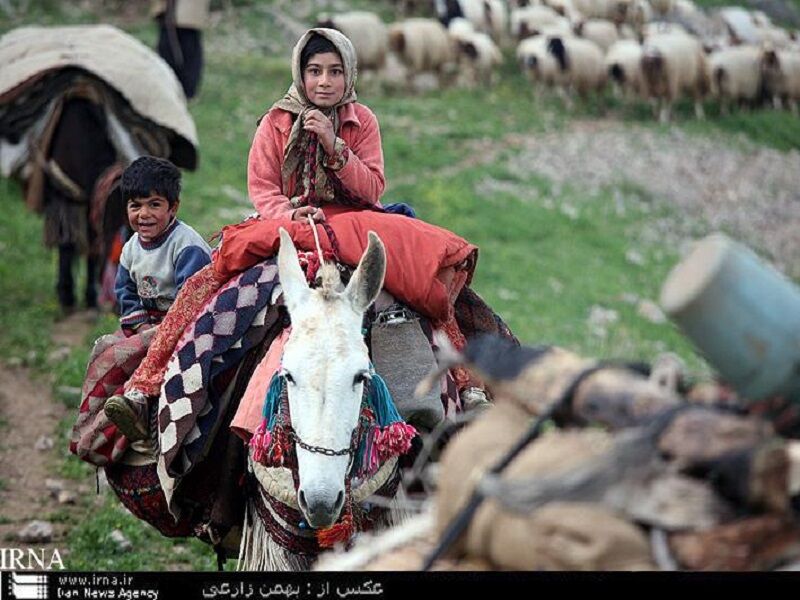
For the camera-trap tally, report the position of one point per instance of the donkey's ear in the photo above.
(293, 282)
(367, 280)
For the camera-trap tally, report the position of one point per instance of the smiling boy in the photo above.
(160, 256)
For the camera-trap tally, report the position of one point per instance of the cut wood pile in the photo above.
(633, 472)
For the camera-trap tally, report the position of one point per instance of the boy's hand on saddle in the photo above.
(321, 125)
(302, 213)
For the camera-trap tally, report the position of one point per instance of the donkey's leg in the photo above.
(92, 271)
(65, 284)
(94, 264)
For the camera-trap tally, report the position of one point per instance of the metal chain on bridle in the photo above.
(319, 449)
(285, 417)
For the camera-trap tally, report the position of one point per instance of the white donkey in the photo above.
(325, 366)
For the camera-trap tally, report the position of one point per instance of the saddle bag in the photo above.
(402, 355)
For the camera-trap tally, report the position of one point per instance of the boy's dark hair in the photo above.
(149, 175)
(316, 44)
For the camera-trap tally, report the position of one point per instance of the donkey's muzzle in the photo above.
(320, 510)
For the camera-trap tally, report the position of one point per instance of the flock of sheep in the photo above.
(658, 50)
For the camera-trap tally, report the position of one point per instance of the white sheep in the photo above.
(627, 32)
(691, 17)
(478, 56)
(613, 10)
(536, 61)
(618, 10)
(661, 28)
(734, 75)
(528, 21)
(592, 8)
(580, 62)
(673, 64)
(489, 16)
(781, 70)
(624, 66)
(761, 19)
(565, 8)
(639, 14)
(497, 19)
(368, 33)
(774, 37)
(405, 8)
(422, 45)
(601, 32)
(686, 9)
(562, 28)
(395, 73)
(662, 7)
(460, 28)
(715, 43)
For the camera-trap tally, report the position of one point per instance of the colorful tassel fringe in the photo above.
(379, 400)
(264, 450)
(260, 442)
(382, 434)
(339, 533)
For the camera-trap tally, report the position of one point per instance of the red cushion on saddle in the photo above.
(420, 257)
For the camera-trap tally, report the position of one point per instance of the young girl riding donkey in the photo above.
(315, 175)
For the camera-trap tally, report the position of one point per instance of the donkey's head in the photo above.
(325, 364)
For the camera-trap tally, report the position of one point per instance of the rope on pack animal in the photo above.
(556, 411)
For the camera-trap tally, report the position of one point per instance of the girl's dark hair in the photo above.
(149, 175)
(316, 44)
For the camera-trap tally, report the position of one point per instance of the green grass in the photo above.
(763, 126)
(778, 129)
(92, 549)
(547, 253)
(28, 304)
(546, 258)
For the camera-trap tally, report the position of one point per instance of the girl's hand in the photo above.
(321, 125)
(302, 213)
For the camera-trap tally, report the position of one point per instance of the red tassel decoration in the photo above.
(394, 439)
(338, 533)
(309, 262)
(260, 443)
(277, 454)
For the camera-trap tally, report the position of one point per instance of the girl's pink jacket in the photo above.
(362, 175)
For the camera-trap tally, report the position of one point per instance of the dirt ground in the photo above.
(31, 415)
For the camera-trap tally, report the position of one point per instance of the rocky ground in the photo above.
(750, 191)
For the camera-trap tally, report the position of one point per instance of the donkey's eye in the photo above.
(288, 377)
(361, 377)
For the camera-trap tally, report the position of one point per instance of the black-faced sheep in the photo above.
(781, 69)
(580, 62)
(624, 67)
